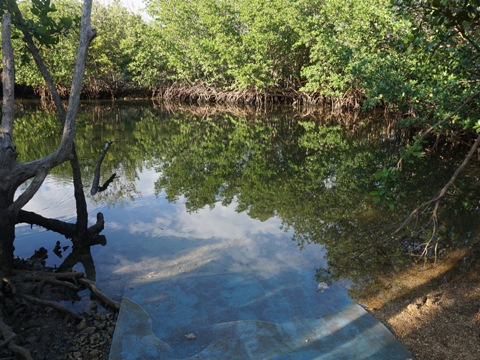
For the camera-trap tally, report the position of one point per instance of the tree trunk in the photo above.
(7, 231)
(14, 173)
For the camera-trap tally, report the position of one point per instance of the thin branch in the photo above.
(461, 31)
(31, 190)
(447, 119)
(39, 62)
(437, 199)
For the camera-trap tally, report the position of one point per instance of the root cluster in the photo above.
(28, 294)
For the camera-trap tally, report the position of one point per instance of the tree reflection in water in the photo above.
(311, 170)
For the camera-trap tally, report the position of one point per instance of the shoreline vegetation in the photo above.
(417, 59)
(209, 95)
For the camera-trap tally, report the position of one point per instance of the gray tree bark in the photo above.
(12, 172)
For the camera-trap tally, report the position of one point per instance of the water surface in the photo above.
(205, 191)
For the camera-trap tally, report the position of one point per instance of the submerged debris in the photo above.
(322, 287)
(191, 336)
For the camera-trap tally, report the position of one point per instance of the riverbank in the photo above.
(434, 310)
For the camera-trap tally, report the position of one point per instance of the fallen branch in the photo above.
(61, 227)
(436, 200)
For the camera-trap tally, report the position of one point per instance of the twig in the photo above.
(448, 118)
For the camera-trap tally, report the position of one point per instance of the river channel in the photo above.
(204, 188)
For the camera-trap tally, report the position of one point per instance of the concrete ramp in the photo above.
(247, 316)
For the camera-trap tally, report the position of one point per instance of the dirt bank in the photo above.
(433, 309)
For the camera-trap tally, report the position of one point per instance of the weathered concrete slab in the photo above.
(247, 316)
(219, 285)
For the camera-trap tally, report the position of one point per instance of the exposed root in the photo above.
(51, 280)
(25, 293)
(115, 305)
(8, 336)
(202, 94)
(50, 304)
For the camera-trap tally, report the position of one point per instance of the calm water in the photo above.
(233, 189)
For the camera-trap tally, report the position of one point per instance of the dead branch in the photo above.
(57, 275)
(61, 279)
(95, 229)
(436, 201)
(61, 227)
(96, 172)
(58, 226)
(69, 275)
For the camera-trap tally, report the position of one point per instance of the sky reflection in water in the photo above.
(152, 238)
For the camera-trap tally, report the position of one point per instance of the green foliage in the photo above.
(477, 127)
(419, 58)
(45, 26)
(445, 39)
(111, 53)
(343, 36)
(387, 182)
(109, 64)
(50, 24)
(147, 56)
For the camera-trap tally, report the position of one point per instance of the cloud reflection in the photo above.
(219, 222)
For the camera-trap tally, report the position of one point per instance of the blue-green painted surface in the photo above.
(246, 316)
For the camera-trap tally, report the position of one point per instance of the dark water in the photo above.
(195, 186)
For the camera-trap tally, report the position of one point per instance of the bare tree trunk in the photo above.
(8, 153)
(7, 231)
(14, 173)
